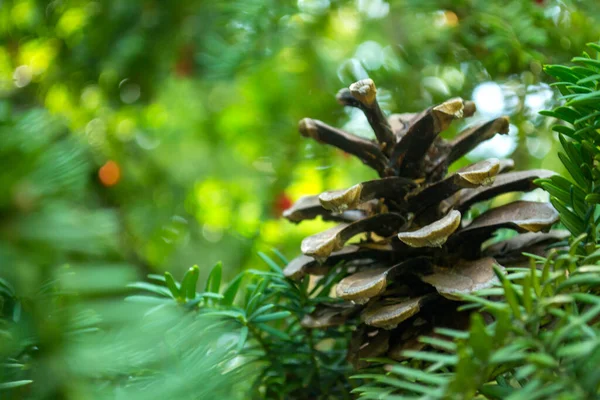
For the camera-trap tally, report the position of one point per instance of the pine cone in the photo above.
(416, 251)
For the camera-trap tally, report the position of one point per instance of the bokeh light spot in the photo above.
(22, 76)
(110, 173)
(373, 9)
(489, 99)
(370, 54)
(129, 91)
(500, 146)
(313, 6)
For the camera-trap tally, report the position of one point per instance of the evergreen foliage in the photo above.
(195, 104)
(264, 311)
(543, 341)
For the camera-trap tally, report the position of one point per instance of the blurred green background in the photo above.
(142, 136)
(186, 112)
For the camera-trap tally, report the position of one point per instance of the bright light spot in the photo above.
(125, 129)
(391, 60)
(248, 218)
(435, 86)
(58, 100)
(358, 124)
(95, 131)
(370, 54)
(91, 97)
(129, 92)
(228, 340)
(212, 234)
(538, 194)
(538, 147)
(538, 98)
(156, 115)
(146, 142)
(38, 54)
(500, 146)
(351, 71)
(453, 77)
(313, 6)
(445, 19)
(71, 21)
(22, 76)
(373, 8)
(264, 164)
(345, 24)
(489, 99)
(23, 13)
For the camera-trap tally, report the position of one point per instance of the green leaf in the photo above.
(419, 375)
(496, 391)
(171, 285)
(8, 287)
(561, 73)
(586, 117)
(243, 338)
(526, 371)
(432, 357)
(592, 198)
(213, 283)
(565, 130)
(272, 264)
(587, 61)
(390, 381)
(149, 287)
(590, 78)
(253, 302)
(148, 299)
(272, 317)
(14, 384)
(509, 293)
(502, 325)
(237, 315)
(261, 310)
(574, 170)
(578, 350)
(275, 332)
(571, 221)
(527, 296)
(571, 150)
(281, 256)
(588, 280)
(511, 353)
(190, 279)
(579, 88)
(256, 293)
(232, 289)
(587, 98)
(479, 340)
(594, 46)
(455, 334)
(563, 113)
(439, 343)
(562, 182)
(157, 277)
(542, 359)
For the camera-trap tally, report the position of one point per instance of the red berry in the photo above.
(282, 203)
(110, 173)
(184, 66)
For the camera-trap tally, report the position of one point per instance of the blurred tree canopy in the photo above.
(142, 136)
(193, 104)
